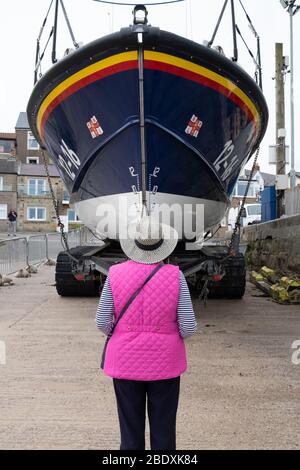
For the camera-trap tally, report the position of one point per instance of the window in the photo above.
(3, 211)
(66, 196)
(32, 143)
(6, 146)
(36, 213)
(32, 160)
(254, 210)
(72, 217)
(240, 189)
(36, 187)
(1, 183)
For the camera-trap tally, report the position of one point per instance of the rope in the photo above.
(43, 53)
(39, 57)
(212, 234)
(75, 43)
(191, 20)
(188, 20)
(258, 71)
(45, 21)
(218, 24)
(247, 47)
(249, 19)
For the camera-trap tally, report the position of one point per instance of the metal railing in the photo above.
(17, 253)
(37, 248)
(13, 255)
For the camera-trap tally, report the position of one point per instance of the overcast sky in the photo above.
(21, 21)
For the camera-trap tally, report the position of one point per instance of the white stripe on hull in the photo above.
(110, 215)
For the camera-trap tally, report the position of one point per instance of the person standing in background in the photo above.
(12, 223)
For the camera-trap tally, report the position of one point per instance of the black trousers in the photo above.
(162, 402)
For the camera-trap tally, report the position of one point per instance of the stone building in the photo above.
(27, 148)
(34, 202)
(35, 206)
(24, 185)
(8, 188)
(7, 143)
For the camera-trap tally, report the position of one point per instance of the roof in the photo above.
(22, 122)
(32, 169)
(297, 174)
(269, 179)
(7, 135)
(8, 166)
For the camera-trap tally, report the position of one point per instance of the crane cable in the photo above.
(75, 43)
(38, 44)
(258, 72)
(134, 4)
(39, 57)
(248, 49)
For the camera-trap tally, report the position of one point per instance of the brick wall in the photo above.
(35, 226)
(22, 152)
(25, 201)
(9, 181)
(9, 198)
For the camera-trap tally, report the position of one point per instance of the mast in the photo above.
(54, 59)
(140, 14)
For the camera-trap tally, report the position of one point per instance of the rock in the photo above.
(23, 273)
(5, 280)
(31, 269)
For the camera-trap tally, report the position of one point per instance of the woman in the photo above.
(146, 355)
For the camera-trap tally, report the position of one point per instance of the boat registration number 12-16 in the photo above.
(69, 161)
(225, 163)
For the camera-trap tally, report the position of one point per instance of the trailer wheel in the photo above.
(66, 284)
(233, 284)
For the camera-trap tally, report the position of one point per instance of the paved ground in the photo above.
(241, 389)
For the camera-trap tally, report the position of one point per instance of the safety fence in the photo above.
(17, 253)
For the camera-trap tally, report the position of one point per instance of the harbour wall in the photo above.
(275, 244)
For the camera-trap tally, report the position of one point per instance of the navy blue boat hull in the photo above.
(204, 118)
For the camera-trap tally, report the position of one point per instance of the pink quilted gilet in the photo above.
(146, 344)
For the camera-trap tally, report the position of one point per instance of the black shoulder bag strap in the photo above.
(134, 295)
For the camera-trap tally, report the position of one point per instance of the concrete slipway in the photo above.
(241, 390)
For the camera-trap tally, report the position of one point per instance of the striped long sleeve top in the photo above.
(185, 313)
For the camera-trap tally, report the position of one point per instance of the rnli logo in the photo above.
(194, 126)
(94, 127)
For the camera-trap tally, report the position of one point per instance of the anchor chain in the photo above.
(55, 205)
(235, 239)
(237, 227)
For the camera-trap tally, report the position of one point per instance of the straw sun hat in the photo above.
(149, 241)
